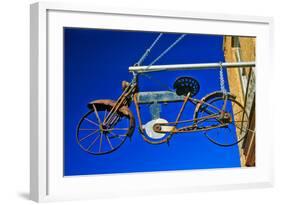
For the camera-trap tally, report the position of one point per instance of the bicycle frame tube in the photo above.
(131, 92)
(194, 101)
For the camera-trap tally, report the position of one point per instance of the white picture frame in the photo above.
(46, 177)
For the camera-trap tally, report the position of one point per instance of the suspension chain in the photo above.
(146, 53)
(166, 50)
(222, 83)
(140, 61)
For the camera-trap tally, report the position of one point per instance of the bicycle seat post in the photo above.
(180, 113)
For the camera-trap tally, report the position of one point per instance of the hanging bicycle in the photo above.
(109, 123)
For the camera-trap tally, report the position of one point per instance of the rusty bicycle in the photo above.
(111, 122)
(108, 123)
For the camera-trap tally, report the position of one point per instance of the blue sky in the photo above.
(96, 62)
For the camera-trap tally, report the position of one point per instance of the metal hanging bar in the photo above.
(197, 66)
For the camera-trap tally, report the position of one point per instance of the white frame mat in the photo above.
(47, 182)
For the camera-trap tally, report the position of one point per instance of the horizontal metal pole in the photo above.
(197, 66)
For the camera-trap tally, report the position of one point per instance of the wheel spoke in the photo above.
(116, 135)
(91, 122)
(244, 129)
(109, 142)
(88, 135)
(111, 129)
(105, 112)
(238, 112)
(210, 105)
(233, 136)
(240, 121)
(97, 115)
(91, 145)
(209, 112)
(96, 140)
(87, 129)
(100, 142)
(228, 128)
(233, 105)
(216, 134)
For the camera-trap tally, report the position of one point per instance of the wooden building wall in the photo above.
(242, 84)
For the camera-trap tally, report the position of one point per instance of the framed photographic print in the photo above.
(127, 102)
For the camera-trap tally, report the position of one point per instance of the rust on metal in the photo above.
(115, 110)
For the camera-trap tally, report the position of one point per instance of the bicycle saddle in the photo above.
(184, 85)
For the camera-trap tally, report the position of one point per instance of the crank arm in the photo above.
(163, 128)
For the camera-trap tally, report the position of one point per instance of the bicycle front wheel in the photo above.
(96, 138)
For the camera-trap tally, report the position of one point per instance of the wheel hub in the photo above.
(103, 128)
(225, 118)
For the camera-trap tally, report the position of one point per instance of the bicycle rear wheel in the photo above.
(218, 130)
